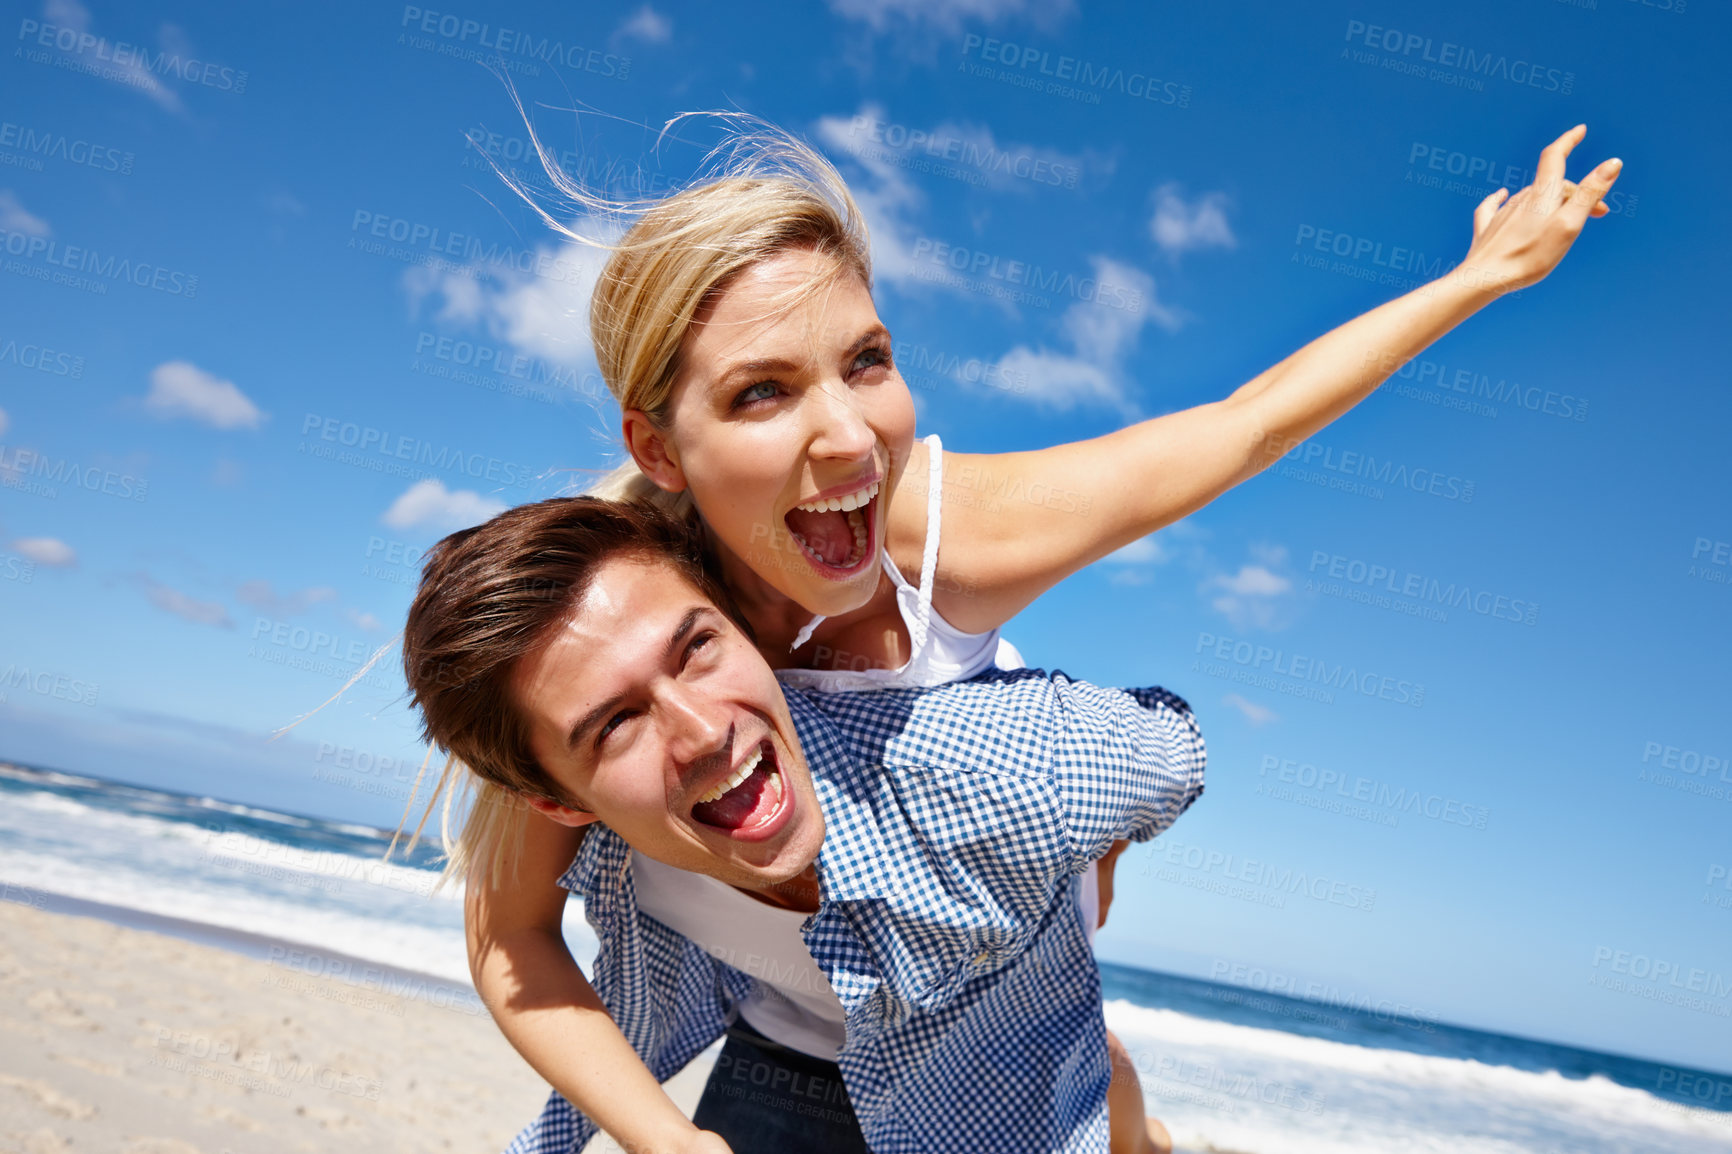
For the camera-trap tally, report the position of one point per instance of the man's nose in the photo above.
(698, 729)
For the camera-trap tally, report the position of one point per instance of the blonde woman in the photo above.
(735, 325)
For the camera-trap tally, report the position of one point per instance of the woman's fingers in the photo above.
(1587, 198)
(1599, 209)
(1488, 209)
(1549, 175)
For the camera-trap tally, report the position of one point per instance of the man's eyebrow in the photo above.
(600, 713)
(781, 365)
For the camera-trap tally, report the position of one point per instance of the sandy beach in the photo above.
(120, 1040)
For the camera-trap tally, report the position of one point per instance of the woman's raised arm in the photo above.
(1016, 524)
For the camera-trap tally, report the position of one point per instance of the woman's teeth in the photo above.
(820, 540)
(738, 776)
(856, 525)
(842, 504)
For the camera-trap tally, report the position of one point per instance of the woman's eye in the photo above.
(872, 358)
(762, 391)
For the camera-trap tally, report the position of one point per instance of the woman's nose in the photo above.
(839, 429)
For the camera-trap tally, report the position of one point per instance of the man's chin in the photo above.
(762, 865)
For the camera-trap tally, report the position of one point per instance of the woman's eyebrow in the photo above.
(754, 369)
(763, 365)
(875, 333)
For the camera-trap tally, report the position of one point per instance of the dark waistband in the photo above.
(742, 1030)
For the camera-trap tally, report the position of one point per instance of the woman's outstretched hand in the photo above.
(1518, 239)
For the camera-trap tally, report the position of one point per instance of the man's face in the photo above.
(654, 712)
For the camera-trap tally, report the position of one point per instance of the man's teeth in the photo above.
(842, 504)
(739, 775)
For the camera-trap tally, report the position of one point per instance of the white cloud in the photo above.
(1180, 227)
(259, 595)
(1251, 598)
(888, 199)
(185, 607)
(1060, 380)
(1254, 713)
(883, 146)
(182, 389)
(362, 620)
(14, 217)
(544, 316)
(428, 504)
(125, 70)
(1142, 551)
(946, 15)
(892, 202)
(49, 551)
(1274, 556)
(1105, 332)
(647, 25)
(1253, 581)
(1100, 337)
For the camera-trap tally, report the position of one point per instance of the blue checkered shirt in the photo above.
(958, 821)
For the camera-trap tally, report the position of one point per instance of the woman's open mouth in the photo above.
(836, 533)
(753, 802)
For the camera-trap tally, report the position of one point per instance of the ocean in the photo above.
(1229, 1070)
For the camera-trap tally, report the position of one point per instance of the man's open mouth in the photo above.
(836, 533)
(748, 801)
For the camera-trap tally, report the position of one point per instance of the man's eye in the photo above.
(697, 643)
(762, 391)
(613, 723)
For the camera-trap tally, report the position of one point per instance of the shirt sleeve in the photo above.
(1127, 763)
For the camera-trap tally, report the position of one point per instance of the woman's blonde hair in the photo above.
(759, 193)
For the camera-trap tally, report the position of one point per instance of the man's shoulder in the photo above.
(1033, 691)
(1002, 720)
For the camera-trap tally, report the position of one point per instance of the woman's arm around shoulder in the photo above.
(550, 1013)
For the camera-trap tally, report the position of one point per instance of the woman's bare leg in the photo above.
(1131, 1131)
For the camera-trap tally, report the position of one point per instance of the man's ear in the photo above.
(649, 447)
(564, 815)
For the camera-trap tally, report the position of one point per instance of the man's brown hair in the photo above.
(491, 594)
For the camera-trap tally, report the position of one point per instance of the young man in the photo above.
(878, 901)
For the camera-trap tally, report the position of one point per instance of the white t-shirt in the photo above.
(792, 1002)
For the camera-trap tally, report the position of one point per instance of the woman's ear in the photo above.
(563, 814)
(649, 447)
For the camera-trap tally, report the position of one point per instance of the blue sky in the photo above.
(238, 400)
